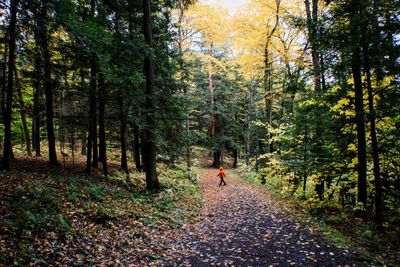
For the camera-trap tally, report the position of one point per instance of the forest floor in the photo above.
(242, 227)
(61, 217)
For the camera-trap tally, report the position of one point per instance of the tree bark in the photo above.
(7, 150)
(37, 106)
(152, 182)
(22, 111)
(83, 143)
(92, 117)
(3, 82)
(375, 150)
(102, 128)
(136, 144)
(355, 24)
(122, 134)
(48, 85)
(312, 21)
(235, 157)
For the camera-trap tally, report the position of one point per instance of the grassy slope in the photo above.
(61, 216)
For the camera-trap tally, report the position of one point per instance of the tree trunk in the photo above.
(37, 106)
(83, 143)
(235, 157)
(48, 84)
(355, 24)
(312, 21)
(136, 144)
(3, 83)
(213, 117)
(375, 154)
(22, 111)
(92, 117)
(10, 84)
(248, 126)
(122, 134)
(152, 182)
(95, 155)
(102, 130)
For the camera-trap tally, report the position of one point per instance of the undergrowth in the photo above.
(328, 218)
(64, 206)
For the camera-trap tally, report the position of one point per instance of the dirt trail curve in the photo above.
(241, 227)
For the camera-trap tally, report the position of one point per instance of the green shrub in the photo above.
(370, 237)
(97, 192)
(36, 210)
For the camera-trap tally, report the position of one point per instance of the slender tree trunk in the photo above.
(83, 143)
(10, 84)
(122, 134)
(235, 157)
(136, 144)
(213, 117)
(248, 125)
(355, 24)
(184, 86)
(95, 155)
(22, 111)
(312, 21)
(152, 182)
(37, 107)
(102, 130)
(48, 85)
(3, 83)
(124, 160)
(375, 150)
(84, 131)
(305, 159)
(92, 117)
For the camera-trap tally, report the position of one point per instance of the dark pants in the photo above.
(222, 181)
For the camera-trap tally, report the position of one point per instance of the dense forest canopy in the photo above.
(305, 93)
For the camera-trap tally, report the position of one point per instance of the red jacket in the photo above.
(221, 173)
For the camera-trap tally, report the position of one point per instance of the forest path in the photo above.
(242, 227)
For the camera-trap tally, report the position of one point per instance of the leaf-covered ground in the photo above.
(57, 216)
(241, 227)
(60, 217)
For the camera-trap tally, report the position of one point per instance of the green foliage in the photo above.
(35, 210)
(97, 192)
(370, 237)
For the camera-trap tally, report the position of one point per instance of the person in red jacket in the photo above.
(221, 175)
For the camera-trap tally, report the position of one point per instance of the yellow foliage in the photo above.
(211, 22)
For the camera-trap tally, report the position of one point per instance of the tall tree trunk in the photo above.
(249, 105)
(22, 111)
(95, 155)
(182, 7)
(48, 85)
(10, 84)
(375, 150)
(92, 117)
(235, 157)
(136, 144)
(312, 21)
(102, 128)
(83, 143)
(37, 105)
(122, 134)
(305, 174)
(213, 117)
(93, 113)
(3, 83)
(152, 182)
(355, 34)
